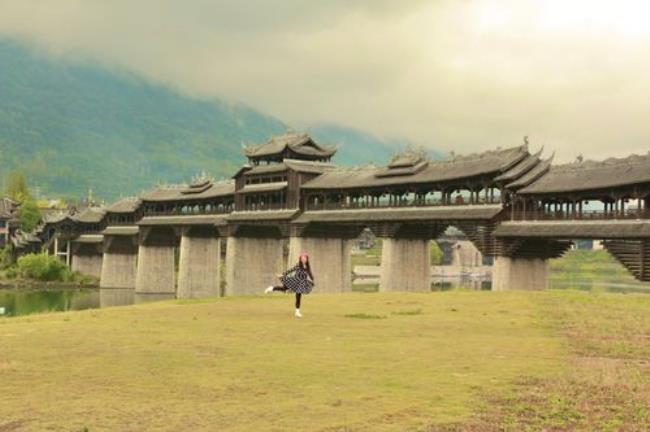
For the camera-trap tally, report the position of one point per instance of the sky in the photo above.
(461, 75)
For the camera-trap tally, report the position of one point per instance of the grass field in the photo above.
(377, 362)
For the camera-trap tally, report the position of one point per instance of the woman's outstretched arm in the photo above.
(292, 269)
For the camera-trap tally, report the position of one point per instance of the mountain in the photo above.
(72, 127)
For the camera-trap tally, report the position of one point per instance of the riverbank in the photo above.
(382, 361)
(34, 284)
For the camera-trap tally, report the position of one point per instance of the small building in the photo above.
(24, 243)
(8, 219)
(59, 230)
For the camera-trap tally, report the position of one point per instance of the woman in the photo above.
(301, 282)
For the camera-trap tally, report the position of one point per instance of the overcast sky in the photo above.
(462, 75)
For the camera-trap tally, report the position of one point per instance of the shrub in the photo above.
(5, 257)
(42, 267)
(436, 253)
(80, 278)
(11, 273)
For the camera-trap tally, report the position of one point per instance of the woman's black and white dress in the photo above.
(298, 280)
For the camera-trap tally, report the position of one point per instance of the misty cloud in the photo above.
(454, 75)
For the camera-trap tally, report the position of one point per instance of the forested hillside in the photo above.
(71, 128)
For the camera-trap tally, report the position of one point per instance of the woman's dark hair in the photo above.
(305, 266)
(302, 266)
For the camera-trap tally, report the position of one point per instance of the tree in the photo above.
(436, 253)
(17, 186)
(30, 215)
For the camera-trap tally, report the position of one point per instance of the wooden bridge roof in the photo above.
(606, 229)
(297, 165)
(125, 205)
(187, 193)
(89, 215)
(591, 175)
(300, 143)
(458, 168)
(427, 213)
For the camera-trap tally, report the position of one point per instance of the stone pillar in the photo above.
(519, 273)
(87, 263)
(119, 262)
(156, 265)
(252, 264)
(405, 265)
(115, 297)
(329, 259)
(199, 274)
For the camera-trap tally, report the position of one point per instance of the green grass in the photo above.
(408, 312)
(364, 316)
(606, 384)
(592, 270)
(435, 361)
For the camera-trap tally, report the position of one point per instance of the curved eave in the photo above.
(521, 168)
(531, 176)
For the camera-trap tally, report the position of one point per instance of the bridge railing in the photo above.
(627, 214)
(396, 204)
(264, 206)
(189, 212)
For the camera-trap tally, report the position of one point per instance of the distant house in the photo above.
(8, 219)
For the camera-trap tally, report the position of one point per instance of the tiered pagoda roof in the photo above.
(521, 168)
(297, 165)
(289, 145)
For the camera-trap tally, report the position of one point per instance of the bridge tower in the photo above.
(267, 197)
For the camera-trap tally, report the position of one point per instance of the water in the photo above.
(38, 299)
(437, 284)
(25, 301)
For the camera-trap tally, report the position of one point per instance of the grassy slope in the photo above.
(455, 360)
(590, 269)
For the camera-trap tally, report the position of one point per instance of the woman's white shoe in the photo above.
(298, 314)
(269, 289)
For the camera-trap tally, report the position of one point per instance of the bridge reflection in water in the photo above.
(513, 205)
